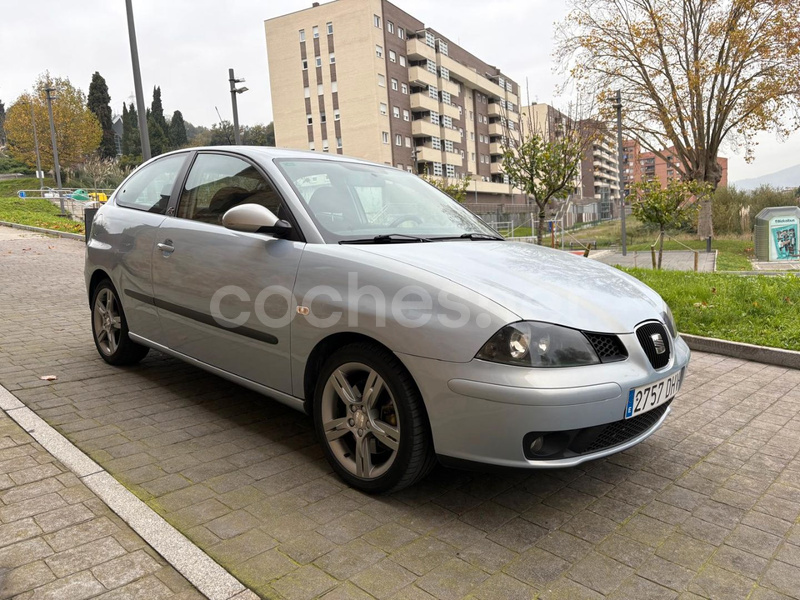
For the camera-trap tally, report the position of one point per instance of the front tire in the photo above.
(110, 328)
(371, 421)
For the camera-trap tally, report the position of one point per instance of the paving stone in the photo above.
(149, 588)
(17, 531)
(345, 561)
(24, 578)
(599, 573)
(638, 588)
(740, 561)
(517, 535)
(125, 569)
(666, 573)
(452, 580)
(537, 567)
(566, 546)
(782, 577)
(384, 579)
(348, 527)
(84, 557)
(714, 582)
(82, 533)
(488, 516)
(590, 526)
(392, 536)
(63, 517)
(346, 591)
(487, 555)
(626, 550)
(566, 589)
(307, 548)
(305, 583)
(24, 552)
(685, 551)
(501, 585)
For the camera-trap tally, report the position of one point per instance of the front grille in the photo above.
(645, 334)
(620, 432)
(609, 348)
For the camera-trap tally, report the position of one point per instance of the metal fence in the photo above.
(71, 201)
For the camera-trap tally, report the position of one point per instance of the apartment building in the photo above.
(639, 165)
(366, 79)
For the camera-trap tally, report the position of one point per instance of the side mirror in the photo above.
(254, 218)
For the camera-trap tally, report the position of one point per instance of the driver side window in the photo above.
(217, 183)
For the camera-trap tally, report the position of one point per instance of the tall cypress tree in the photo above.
(131, 142)
(2, 124)
(98, 103)
(177, 130)
(157, 125)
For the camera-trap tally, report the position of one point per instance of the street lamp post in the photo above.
(144, 135)
(237, 138)
(56, 166)
(618, 106)
(39, 174)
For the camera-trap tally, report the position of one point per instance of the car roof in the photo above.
(271, 152)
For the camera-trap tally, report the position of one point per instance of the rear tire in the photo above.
(110, 328)
(371, 420)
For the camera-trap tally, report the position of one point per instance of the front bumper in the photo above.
(480, 411)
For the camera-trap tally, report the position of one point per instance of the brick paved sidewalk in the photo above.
(58, 540)
(708, 507)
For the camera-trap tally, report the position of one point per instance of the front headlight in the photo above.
(534, 344)
(669, 320)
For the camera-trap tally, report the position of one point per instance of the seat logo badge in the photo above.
(659, 344)
(302, 310)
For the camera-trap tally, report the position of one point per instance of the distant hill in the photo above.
(780, 179)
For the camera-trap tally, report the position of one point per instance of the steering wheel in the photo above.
(404, 218)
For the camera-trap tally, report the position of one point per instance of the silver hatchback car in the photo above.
(404, 325)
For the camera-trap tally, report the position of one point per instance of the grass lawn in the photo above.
(39, 213)
(753, 309)
(734, 253)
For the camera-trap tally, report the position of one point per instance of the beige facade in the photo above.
(390, 90)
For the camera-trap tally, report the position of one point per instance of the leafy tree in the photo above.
(159, 137)
(670, 207)
(78, 132)
(157, 109)
(258, 135)
(192, 131)
(131, 140)
(221, 134)
(98, 103)
(177, 130)
(545, 163)
(455, 188)
(693, 73)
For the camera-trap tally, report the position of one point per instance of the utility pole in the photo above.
(618, 106)
(39, 174)
(144, 135)
(237, 138)
(56, 166)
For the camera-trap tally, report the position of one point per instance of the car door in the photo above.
(224, 296)
(125, 237)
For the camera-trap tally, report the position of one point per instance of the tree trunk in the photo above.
(660, 247)
(540, 225)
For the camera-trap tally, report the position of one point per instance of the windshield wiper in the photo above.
(388, 238)
(473, 236)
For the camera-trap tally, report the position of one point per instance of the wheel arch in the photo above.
(98, 276)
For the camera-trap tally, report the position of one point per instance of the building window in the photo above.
(389, 26)
(324, 145)
(383, 108)
(433, 92)
(471, 116)
(401, 33)
(461, 132)
(434, 117)
(409, 169)
(430, 40)
(473, 157)
(396, 112)
(320, 91)
(431, 67)
(302, 35)
(451, 170)
(305, 64)
(338, 142)
(445, 73)
(307, 92)
(378, 51)
(398, 140)
(332, 58)
(322, 118)
(394, 84)
(436, 143)
(447, 121)
(404, 88)
(437, 169)
(408, 142)
(402, 61)
(315, 31)
(381, 80)
(330, 28)
(443, 47)
(318, 61)
(376, 20)
(309, 119)
(448, 146)
(385, 137)
(334, 86)
(336, 115)
(446, 97)
(406, 115)
(311, 146)
(472, 136)
(392, 56)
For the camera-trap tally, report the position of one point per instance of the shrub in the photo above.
(729, 202)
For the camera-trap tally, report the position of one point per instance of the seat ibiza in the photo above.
(407, 328)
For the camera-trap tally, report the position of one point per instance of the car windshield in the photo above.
(351, 201)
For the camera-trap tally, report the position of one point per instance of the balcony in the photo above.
(495, 110)
(450, 134)
(428, 154)
(420, 101)
(417, 49)
(449, 110)
(448, 86)
(496, 129)
(496, 168)
(472, 78)
(453, 158)
(496, 148)
(424, 128)
(421, 75)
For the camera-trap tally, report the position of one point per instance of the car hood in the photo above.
(535, 282)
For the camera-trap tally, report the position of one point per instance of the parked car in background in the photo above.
(404, 325)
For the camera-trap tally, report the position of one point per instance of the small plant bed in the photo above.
(734, 253)
(750, 309)
(37, 213)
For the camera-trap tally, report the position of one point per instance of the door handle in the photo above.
(166, 246)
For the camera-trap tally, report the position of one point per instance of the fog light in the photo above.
(537, 445)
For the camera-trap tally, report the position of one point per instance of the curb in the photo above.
(189, 560)
(61, 234)
(761, 354)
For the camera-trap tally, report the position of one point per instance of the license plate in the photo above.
(648, 397)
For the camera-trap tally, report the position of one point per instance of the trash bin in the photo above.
(88, 218)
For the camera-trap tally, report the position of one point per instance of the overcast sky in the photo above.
(187, 46)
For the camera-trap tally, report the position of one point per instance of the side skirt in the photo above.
(288, 400)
